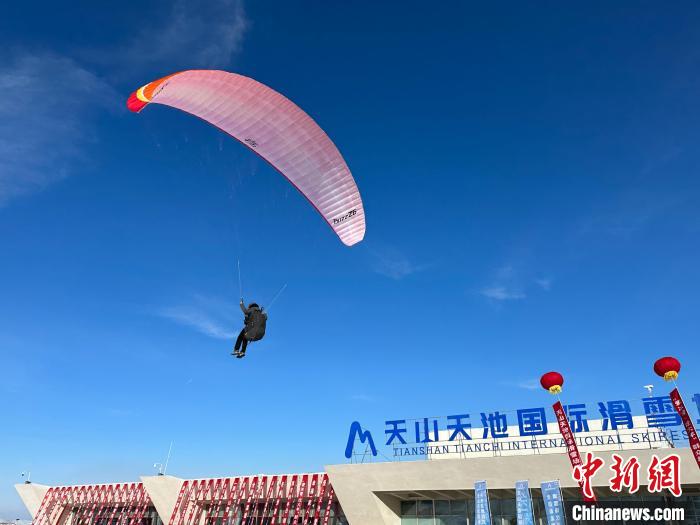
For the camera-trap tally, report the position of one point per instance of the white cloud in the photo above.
(544, 283)
(530, 384)
(362, 397)
(511, 283)
(505, 287)
(391, 263)
(47, 116)
(50, 102)
(208, 316)
(191, 35)
(527, 384)
(502, 293)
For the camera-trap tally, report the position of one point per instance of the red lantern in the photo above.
(668, 368)
(552, 381)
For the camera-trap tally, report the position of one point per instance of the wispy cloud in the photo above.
(391, 263)
(544, 283)
(362, 397)
(191, 35)
(502, 293)
(526, 384)
(208, 316)
(50, 103)
(511, 284)
(48, 109)
(633, 210)
(505, 286)
(529, 384)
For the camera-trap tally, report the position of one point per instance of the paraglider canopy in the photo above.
(273, 127)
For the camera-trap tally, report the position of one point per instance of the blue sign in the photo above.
(553, 503)
(523, 503)
(363, 435)
(482, 511)
(421, 437)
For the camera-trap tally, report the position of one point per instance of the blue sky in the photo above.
(530, 179)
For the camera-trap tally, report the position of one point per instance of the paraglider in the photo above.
(273, 127)
(255, 322)
(280, 132)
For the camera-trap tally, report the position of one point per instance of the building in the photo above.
(383, 493)
(438, 471)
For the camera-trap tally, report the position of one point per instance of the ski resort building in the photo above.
(427, 492)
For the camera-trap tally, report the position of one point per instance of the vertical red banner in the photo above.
(300, 498)
(569, 442)
(329, 506)
(252, 494)
(230, 497)
(290, 494)
(268, 499)
(319, 503)
(278, 500)
(693, 440)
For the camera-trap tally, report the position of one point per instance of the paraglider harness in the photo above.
(255, 323)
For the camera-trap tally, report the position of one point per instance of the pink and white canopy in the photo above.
(273, 127)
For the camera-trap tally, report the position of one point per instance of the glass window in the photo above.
(408, 508)
(426, 521)
(442, 507)
(458, 507)
(408, 521)
(495, 505)
(470, 509)
(425, 508)
(451, 520)
(538, 508)
(508, 507)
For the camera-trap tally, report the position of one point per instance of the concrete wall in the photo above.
(364, 490)
(371, 494)
(163, 491)
(32, 495)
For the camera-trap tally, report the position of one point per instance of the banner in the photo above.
(553, 503)
(693, 440)
(523, 503)
(482, 511)
(569, 441)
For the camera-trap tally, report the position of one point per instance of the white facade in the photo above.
(372, 494)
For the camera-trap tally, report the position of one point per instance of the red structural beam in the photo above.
(90, 503)
(275, 497)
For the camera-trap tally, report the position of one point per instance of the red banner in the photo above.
(278, 500)
(569, 441)
(312, 499)
(329, 506)
(290, 494)
(300, 498)
(230, 498)
(319, 503)
(252, 494)
(693, 440)
(269, 498)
